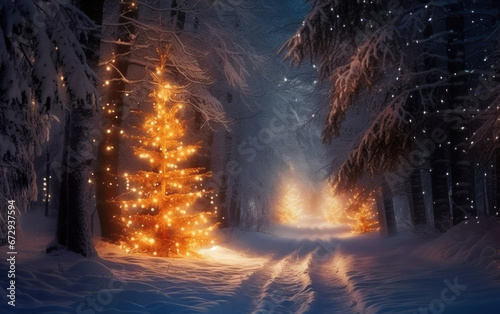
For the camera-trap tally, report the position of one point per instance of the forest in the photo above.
(233, 156)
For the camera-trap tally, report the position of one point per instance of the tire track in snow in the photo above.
(282, 285)
(304, 276)
(330, 284)
(304, 281)
(288, 288)
(344, 269)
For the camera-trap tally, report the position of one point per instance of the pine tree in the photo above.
(207, 57)
(332, 206)
(290, 207)
(355, 208)
(158, 210)
(360, 212)
(107, 160)
(43, 71)
(420, 67)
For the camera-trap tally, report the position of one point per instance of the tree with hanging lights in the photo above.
(159, 209)
(290, 207)
(361, 216)
(416, 66)
(355, 208)
(212, 60)
(112, 115)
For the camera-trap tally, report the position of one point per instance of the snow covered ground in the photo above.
(320, 269)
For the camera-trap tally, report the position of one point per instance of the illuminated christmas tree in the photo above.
(361, 213)
(158, 209)
(356, 209)
(332, 206)
(291, 204)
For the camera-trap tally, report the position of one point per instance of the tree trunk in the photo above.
(48, 180)
(222, 212)
(440, 196)
(107, 184)
(234, 218)
(178, 16)
(419, 216)
(73, 228)
(462, 176)
(496, 205)
(438, 162)
(62, 213)
(93, 9)
(390, 218)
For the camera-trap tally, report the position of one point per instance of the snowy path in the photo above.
(301, 282)
(314, 275)
(291, 271)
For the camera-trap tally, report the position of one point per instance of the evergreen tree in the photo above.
(206, 57)
(43, 66)
(291, 203)
(112, 115)
(360, 211)
(415, 65)
(159, 211)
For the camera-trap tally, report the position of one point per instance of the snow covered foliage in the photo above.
(375, 151)
(209, 58)
(372, 55)
(424, 68)
(231, 88)
(35, 60)
(487, 135)
(43, 67)
(276, 136)
(23, 127)
(203, 52)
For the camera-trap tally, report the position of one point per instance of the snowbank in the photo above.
(476, 242)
